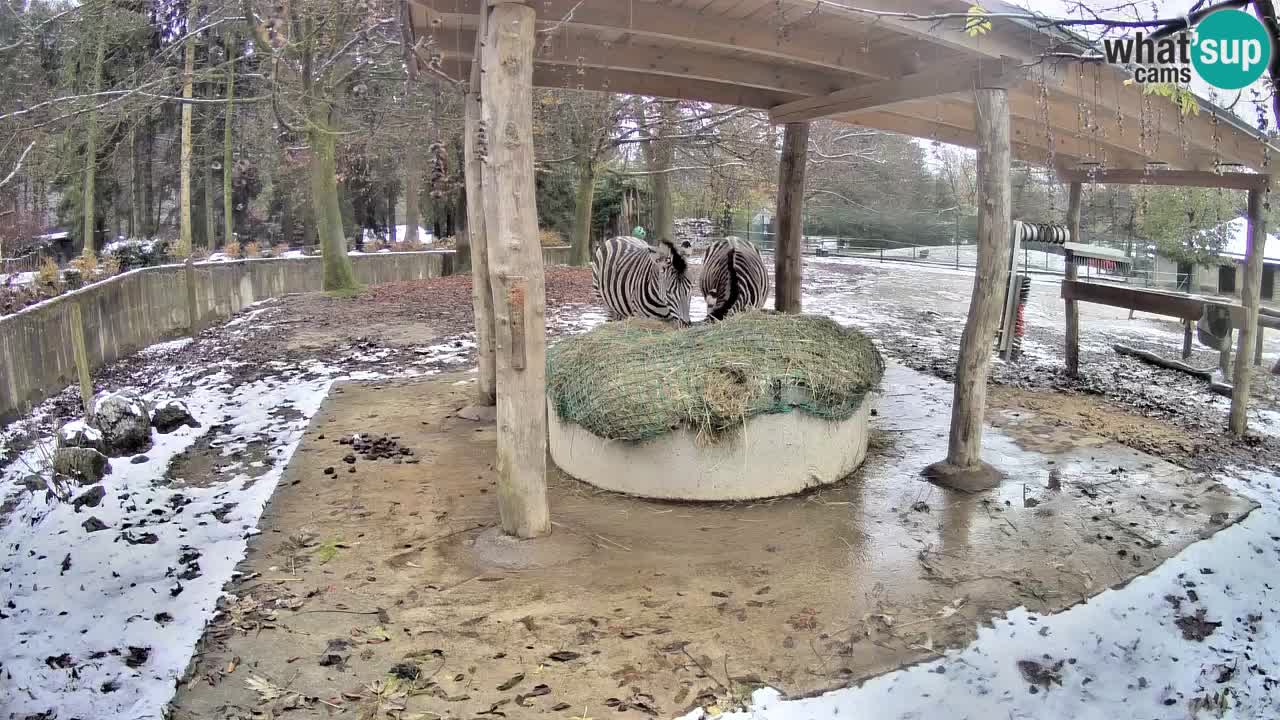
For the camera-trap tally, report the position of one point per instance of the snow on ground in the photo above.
(15, 279)
(104, 603)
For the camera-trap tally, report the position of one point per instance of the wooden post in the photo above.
(1186, 339)
(515, 266)
(1257, 346)
(963, 469)
(1073, 310)
(193, 309)
(1224, 357)
(786, 255)
(1250, 297)
(481, 292)
(82, 357)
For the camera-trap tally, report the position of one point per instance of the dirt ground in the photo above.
(382, 585)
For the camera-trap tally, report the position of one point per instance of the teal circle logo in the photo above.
(1231, 49)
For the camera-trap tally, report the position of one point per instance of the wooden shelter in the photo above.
(907, 66)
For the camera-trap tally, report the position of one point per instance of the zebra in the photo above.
(634, 280)
(734, 277)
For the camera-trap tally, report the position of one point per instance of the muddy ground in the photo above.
(381, 586)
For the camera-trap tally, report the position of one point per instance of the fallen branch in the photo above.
(1206, 374)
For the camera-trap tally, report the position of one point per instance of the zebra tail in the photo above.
(721, 310)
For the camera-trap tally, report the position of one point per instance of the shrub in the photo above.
(550, 238)
(250, 250)
(48, 275)
(232, 248)
(279, 249)
(110, 266)
(86, 264)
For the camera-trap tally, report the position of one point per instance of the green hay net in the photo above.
(638, 379)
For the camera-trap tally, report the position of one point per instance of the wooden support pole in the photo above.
(515, 267)
(1186, 339)
(1257, 346)
(1250, 297)
(788, 271)
(193, 309)
(963, 469)
(81, 353)
(1073, 310)
(481, 292)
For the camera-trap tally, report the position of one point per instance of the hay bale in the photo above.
(635, 380)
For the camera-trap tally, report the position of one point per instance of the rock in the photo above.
(138, 459)
(93, 524)
(79, 434)
(85, 465)
(91, 498)
(171, 415)
(124, 422)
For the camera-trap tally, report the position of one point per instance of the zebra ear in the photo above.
(678, 263)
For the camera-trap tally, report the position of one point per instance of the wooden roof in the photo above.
(803, 59)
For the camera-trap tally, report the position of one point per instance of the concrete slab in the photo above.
(637, 607)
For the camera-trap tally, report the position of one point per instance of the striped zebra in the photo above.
(635, 280)
(734, 277)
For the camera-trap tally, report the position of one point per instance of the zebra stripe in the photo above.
(734, 277)
(634, 280)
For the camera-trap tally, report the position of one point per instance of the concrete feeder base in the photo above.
(772, 455)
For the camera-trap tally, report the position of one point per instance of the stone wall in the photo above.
(139, 308)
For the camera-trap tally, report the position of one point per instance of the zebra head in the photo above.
(675, 279)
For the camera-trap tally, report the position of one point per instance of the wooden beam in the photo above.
(578, 20)
(963, 468)
(638, 83)
(1181, 178)
(1072, 310)
(788, 272)
(481, 291)
(677, 62)
(1250, 297)
(926, 84)
(515, 258)
(1185, 307)
(921, 128)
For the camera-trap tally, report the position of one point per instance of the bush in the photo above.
(279, 249)
(232, 249)
(132, 254)
(550, 238)
(86, 265)
(250, 250)
(48, 276)
(110, 266)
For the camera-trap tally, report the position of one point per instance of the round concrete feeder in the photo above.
(772, 455)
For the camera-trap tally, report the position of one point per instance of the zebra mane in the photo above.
(678, 263)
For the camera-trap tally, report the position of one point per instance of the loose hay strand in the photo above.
(634, 380)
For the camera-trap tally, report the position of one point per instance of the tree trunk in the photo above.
(149, 210)
(963, 468)
(1250, 296)
(228, 122)
(519, 301)
(184, 198)
(581, 252)
(338, 275)
(89, 188)
(660, 181)
(391, 212)
(788, 269)
(412, 178)
(136, 212)
(210, 214)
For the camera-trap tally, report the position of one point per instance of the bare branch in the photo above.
(18, 165)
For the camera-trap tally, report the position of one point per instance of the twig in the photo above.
(704, 670)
